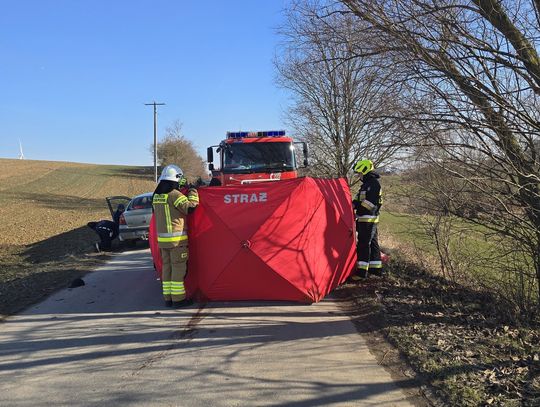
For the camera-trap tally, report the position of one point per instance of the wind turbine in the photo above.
(21, 155)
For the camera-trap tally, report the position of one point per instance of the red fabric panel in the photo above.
(307, 241)
(337, 194)
(211, 246)
(154, 249)
(287, 240)
(243, 209)
(219, 228)
(246, 277)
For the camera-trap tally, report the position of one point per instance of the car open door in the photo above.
(114, 201)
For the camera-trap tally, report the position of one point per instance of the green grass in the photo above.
(411, 229)
(407, 229)
(475, 257)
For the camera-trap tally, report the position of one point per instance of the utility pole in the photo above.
(155, 135)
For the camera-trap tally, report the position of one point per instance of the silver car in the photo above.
(134, 222)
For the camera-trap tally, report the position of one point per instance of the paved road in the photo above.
(111, 342)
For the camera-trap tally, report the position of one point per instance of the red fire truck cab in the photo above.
(258, 156)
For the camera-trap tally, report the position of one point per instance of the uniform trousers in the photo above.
(367, 249)
(174, 272)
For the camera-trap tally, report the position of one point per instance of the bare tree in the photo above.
(339, 101)
(176, 149)
(474, 68)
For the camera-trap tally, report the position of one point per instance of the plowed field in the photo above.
(44, 208)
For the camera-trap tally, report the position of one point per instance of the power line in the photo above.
(155, 135)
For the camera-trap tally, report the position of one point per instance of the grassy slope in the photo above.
(405, 232)
(453, 336)
(45, 208)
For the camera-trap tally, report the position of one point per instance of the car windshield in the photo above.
(257, 157)
(141, 202)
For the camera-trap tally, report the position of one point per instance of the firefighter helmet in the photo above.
(171, 173)
(364, 166)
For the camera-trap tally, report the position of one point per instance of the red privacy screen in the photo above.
(289, 240)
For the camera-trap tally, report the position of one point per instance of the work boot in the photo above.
(168, 303)
(183, 303)
(376, 272)
(359, 275)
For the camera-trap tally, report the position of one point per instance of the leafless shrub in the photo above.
(341, 103)
(449, 244)
(472, 74)
(176, 149)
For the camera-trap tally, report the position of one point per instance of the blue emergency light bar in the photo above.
(242, 134)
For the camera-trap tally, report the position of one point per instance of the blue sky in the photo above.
(75, 74)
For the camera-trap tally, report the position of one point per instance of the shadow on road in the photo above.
(117, 319)
(32, 272)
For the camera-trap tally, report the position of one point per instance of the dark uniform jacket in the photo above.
(368, 201)
(104, 228)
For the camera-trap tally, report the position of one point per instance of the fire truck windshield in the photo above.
(258, 157)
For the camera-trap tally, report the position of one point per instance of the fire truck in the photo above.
(256, 156)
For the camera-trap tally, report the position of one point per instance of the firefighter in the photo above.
(107, 232)
(171, 208)
(367, 205)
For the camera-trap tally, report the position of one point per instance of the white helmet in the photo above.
(171, 173)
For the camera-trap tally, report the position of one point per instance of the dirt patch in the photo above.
(455, 340)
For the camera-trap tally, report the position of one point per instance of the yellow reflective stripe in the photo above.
(362, 265)
(374, 219)
(172, 239)
(177, 287)
(173, 234)
(368, 205)
(181, 199)
(168, 219)
(194, 198)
